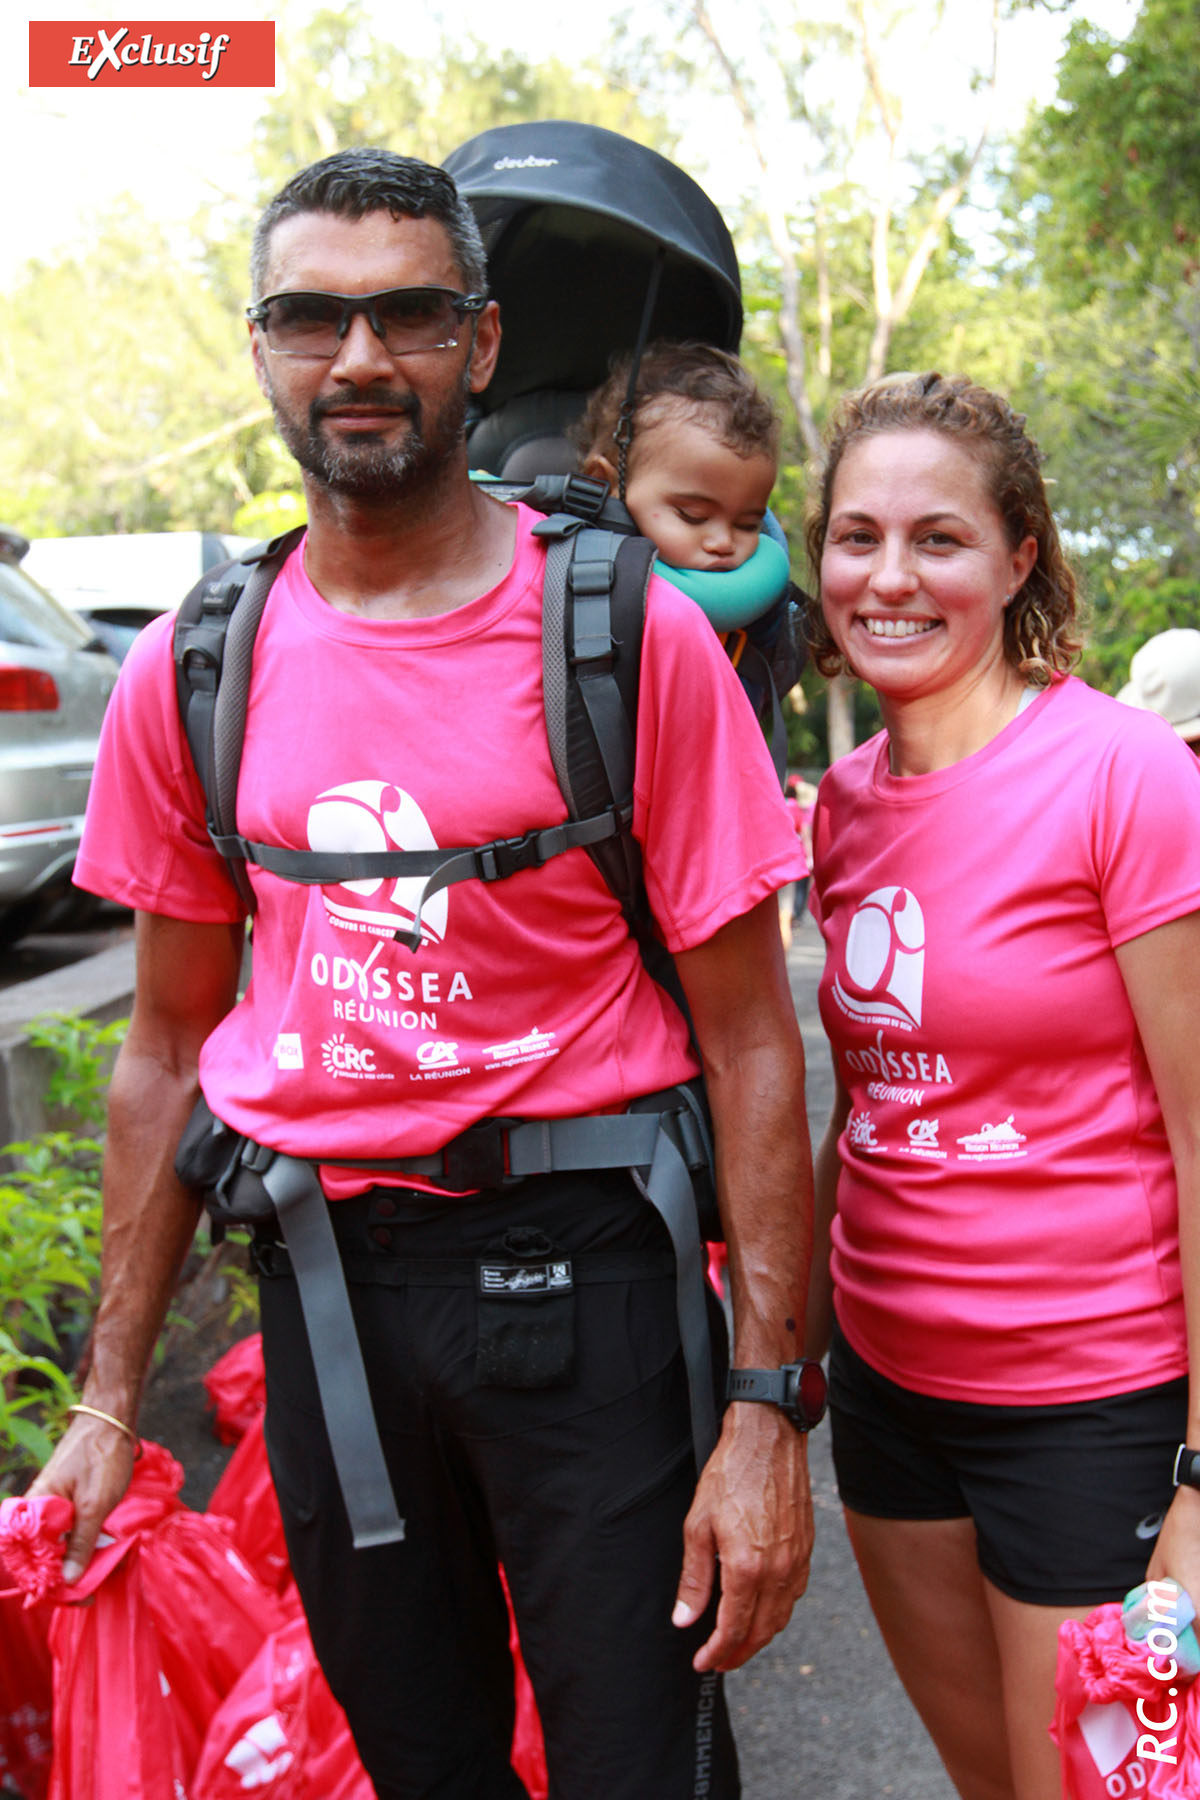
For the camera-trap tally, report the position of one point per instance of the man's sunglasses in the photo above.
(406, 320)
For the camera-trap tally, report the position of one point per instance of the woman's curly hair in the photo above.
(1042, 634)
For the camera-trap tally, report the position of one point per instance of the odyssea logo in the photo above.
(152, 53)
(884, 960)
(376, 815)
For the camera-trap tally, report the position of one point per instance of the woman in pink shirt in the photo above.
(1008, 881)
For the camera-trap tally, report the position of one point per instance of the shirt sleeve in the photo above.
(1145, 827)
(144, 841)
(715, 834)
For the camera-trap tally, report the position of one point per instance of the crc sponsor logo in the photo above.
(376, 816)
(152, 53)
(346, 1061)
(860, 1133)
(288, 1051)
(883, 963)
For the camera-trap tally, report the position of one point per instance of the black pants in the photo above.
(579, 1489)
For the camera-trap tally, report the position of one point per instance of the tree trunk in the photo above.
(840, 715)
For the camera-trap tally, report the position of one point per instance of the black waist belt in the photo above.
(661, 1145)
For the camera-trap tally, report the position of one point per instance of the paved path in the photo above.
(819, 1715)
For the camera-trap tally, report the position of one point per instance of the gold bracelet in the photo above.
(94, 1412)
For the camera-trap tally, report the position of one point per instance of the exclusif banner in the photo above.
(151, 53)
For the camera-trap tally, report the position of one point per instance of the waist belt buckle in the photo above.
(476, 1158)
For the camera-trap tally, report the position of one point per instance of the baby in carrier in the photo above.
(693, 452)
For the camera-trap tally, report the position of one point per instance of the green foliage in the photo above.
(49, 1265)
(1113, 167)
(345, 86)
(81, 1053)
(146, 417)
(50, 1245)
(270, 514)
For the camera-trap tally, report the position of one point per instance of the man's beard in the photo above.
(365, 468)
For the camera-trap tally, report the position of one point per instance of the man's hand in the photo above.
(186, 982)
(90, 1467)
(753, 1513)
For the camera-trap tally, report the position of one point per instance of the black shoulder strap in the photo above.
(214, 647)
(593, 621)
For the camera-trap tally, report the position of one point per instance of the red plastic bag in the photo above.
(26, 1693)
(1122, 1729)
(148, 1644)
(528, 1749)
(281, 1733)
(237, 1388)
(245, 1496)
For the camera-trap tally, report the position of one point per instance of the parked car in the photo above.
(120, 582)
(55, 680)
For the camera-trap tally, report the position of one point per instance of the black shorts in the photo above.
(1067, 1499)
(579, 1488)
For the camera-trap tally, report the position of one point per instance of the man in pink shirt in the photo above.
(521, 1340)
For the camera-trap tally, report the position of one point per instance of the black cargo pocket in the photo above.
(525, 1313)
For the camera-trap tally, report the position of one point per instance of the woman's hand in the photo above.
(1177, 1552)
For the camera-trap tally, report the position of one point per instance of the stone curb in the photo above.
(100, 987)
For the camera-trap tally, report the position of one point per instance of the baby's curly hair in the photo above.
(1042, 635)
(700, 378)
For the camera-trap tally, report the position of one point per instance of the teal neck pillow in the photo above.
(731, 598)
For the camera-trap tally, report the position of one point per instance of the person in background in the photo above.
(1164, 677)
(1009, 1189)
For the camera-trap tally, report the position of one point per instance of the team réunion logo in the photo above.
(376, 815)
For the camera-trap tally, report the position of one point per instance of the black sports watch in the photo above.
(798, 1389)
(1186, 1472)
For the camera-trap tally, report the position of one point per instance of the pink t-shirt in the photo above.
(1007, 1216)
(527, 997)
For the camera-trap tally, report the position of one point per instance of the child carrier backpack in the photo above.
(596, 246)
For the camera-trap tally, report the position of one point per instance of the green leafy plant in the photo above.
(50, 1243)
(81, 1053)
(50, 1218)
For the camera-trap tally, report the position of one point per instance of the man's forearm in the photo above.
(764, 1184)
(149, 1223)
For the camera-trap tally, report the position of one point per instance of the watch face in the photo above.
(810, 1393)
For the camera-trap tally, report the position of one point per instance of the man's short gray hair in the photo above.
(351, 183)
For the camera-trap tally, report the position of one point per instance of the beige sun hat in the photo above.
(1164, 677)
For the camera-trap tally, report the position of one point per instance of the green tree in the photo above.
(1104, 247)
(850, 208)
(135, 418)
(146, 417)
